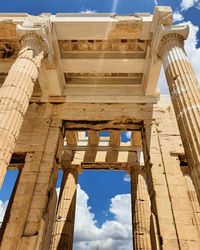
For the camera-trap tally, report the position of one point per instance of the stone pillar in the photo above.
(140, 209)
(31, 215)
(184, 92)
(64, 225)
(16, 92)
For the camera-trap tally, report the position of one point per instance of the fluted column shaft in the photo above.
(185, 96)
(140, 210)
(15, 94)
(64, 225)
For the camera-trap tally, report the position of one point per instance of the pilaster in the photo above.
(170, 204)
(163, 231)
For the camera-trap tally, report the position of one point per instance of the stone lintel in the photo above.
(162, 15)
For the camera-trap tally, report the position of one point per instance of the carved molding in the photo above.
(9, 49)
(121, 75)
(127, 27)
(126, 30)
(132, 45)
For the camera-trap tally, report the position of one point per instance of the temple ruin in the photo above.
(66, 77)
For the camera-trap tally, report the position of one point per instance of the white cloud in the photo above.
(155, 2)
(88, 11)
(128, 135)
(3, 206)
(58, 191)
(186, 4)
(192, 51)
(162, 83)
(126, 178)
(118, 204)
(177, 16)
(113, 234)
(84, 217)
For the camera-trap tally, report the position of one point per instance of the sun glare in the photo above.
(114, 6)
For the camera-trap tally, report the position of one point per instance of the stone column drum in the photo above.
(63, 232)
(185, 94)
(140, 210)
(16, 92)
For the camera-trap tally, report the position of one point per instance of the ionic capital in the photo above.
(34, 34)
(176, 33)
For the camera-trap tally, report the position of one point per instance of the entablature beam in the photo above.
(102, 126)
(104, 148)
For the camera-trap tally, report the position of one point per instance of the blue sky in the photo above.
(101, 186)
(37, 6)
(118, 6)
(91, 182)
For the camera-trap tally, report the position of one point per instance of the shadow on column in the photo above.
(155, 236)
(66, 239)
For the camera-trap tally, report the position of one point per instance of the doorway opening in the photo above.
(7, 193)
(103, 210)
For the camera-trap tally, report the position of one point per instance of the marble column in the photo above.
(185, 93)
(16, 92)
(63, 232)
(140, 209)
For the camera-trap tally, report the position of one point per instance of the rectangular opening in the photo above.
(103, 211)
(7, 193)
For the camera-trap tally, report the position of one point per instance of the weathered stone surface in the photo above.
(15, 94)
(140, 209)
(31, 215)
(62, 237)
(101, 75)
(185, 96)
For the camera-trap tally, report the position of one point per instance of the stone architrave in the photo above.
(17, 89)
(184, 91)
(63, 232)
